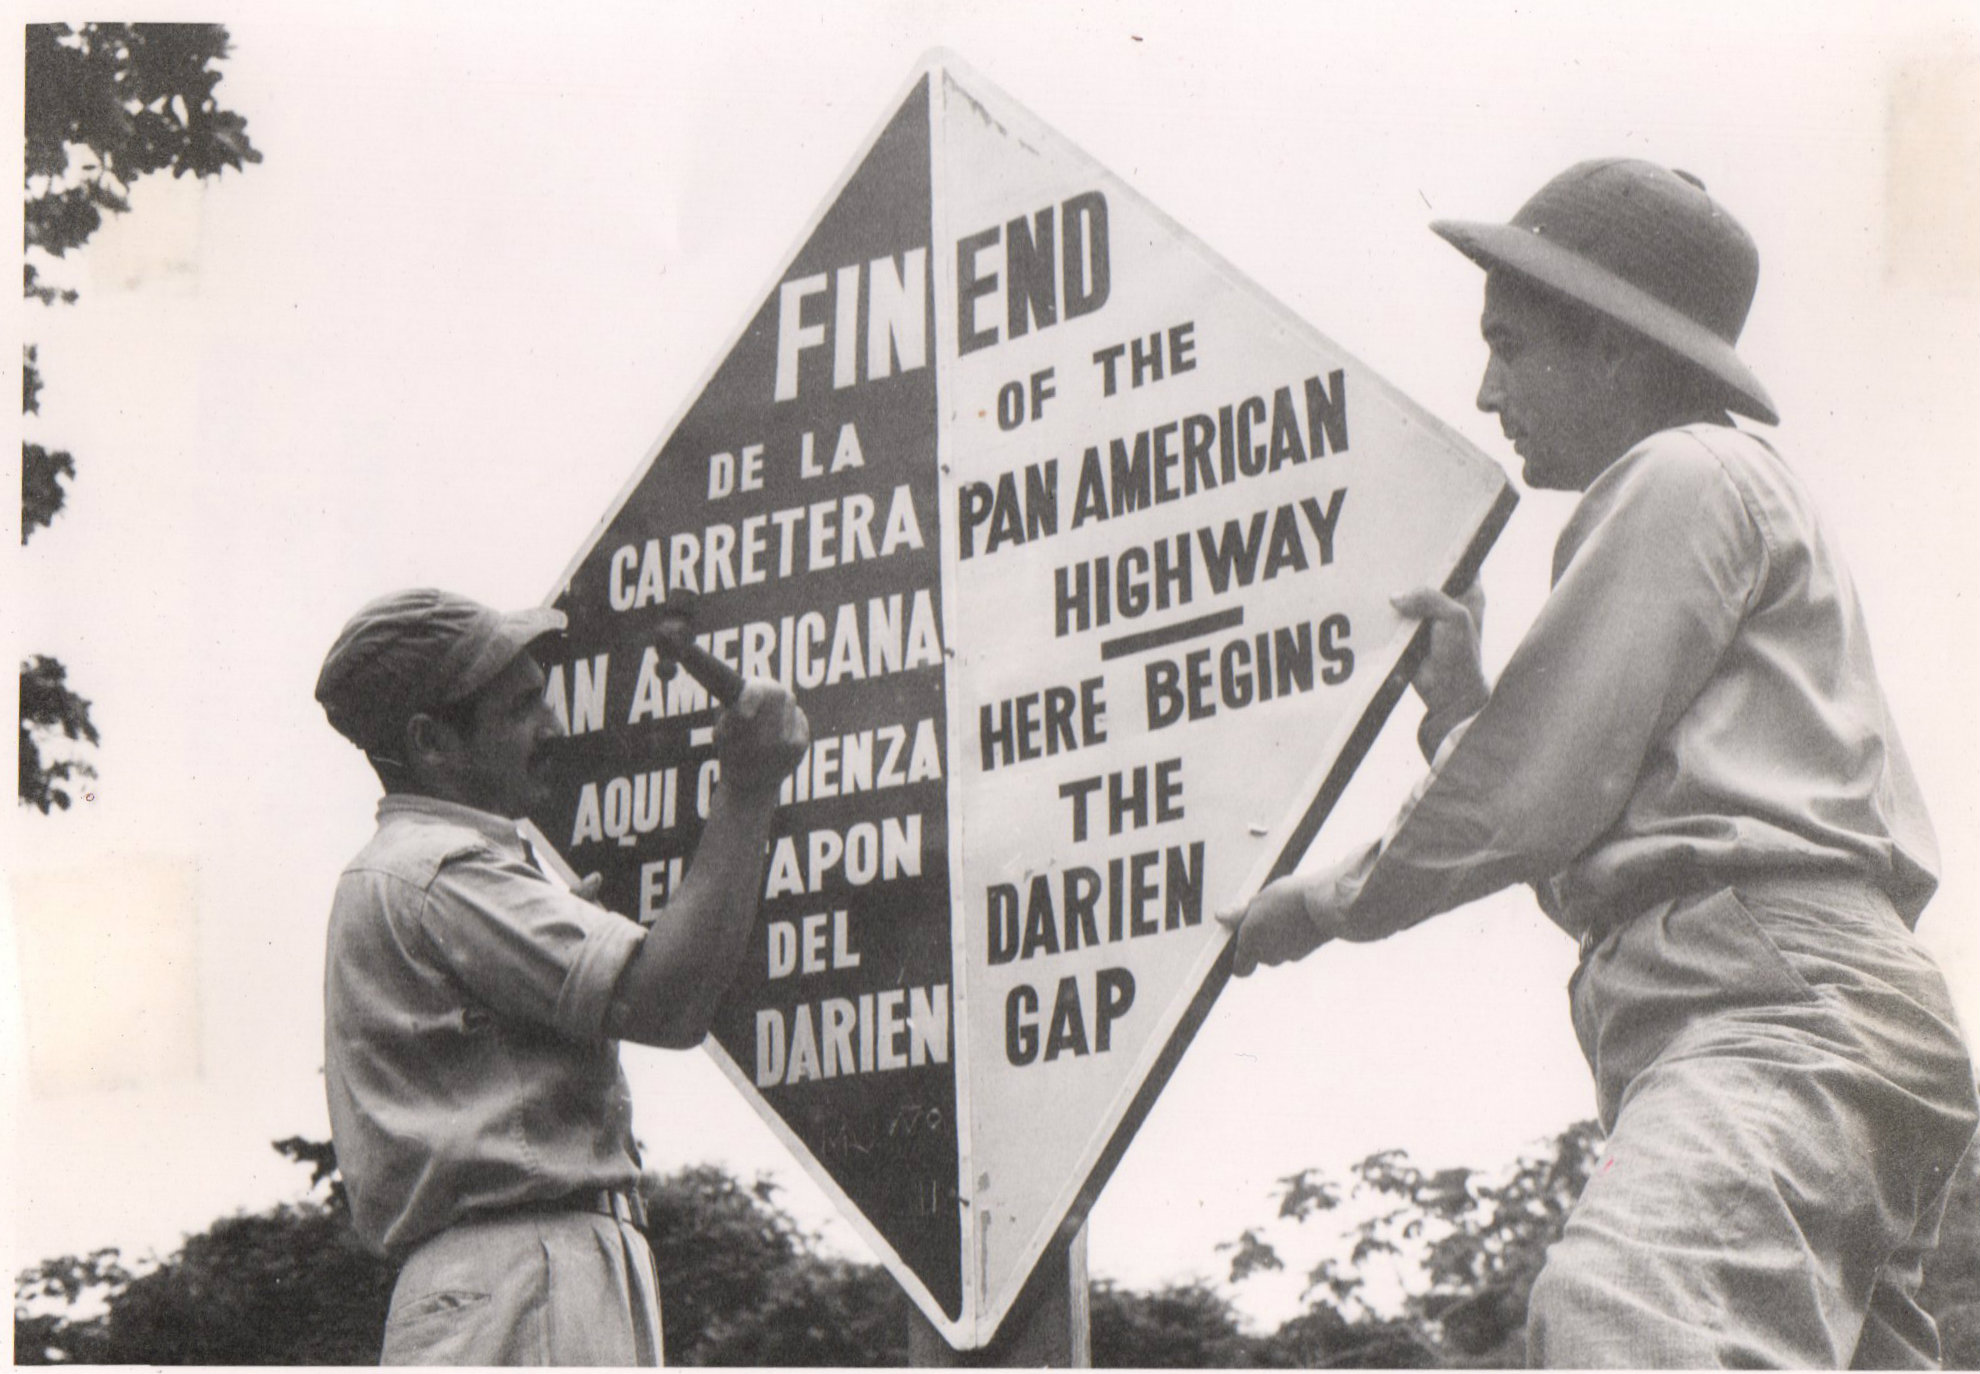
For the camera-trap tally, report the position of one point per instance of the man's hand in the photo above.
(1282, 923)
(761, 737)
(1451, 678)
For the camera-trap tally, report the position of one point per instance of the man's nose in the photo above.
(1491, 393)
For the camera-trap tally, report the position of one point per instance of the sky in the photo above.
(493, 249)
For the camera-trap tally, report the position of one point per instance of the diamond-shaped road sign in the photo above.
(1077, 549)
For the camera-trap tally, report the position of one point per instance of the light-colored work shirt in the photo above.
(468, 1063)
(1695, 705)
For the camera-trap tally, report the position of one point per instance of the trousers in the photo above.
(1787, 1097)
(539, 1288)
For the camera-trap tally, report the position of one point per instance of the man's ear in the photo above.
(429, 741)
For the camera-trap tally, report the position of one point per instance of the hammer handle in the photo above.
(724, 683)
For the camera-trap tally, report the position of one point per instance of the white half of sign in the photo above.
(1173, 516)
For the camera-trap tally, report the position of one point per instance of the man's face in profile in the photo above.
(503, 750)
(1544, 380)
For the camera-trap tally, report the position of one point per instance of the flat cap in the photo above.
(415, 650)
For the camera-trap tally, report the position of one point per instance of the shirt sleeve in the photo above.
(1653, 576)
(526, 946)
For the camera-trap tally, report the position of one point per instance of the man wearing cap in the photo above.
(473, 1006)
(1690, 759)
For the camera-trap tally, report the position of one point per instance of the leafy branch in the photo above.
(50, 709)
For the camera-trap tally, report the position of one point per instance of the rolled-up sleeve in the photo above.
(524, 945)
(1652, 578)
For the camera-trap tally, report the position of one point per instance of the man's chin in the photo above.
(1540, 478)
(1531, 473)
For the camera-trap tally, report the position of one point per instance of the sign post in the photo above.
(1077, 549)
(1049, 1326)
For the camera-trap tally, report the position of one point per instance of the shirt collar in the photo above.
(497, 828)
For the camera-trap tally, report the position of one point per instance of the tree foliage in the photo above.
(1462, 1250)
(42, 494)
(743, 1284)
(41, 471)
(292, 1285)
(104, 105)
(49, 708)
(53, 1321)
(1179, 1326)
(109, 103)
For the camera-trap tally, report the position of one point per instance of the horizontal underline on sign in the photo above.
(1171, 634)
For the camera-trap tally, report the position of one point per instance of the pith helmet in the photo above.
(1645, 246)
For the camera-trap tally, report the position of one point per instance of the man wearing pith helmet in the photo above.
(1690, 759)
(473, 1006)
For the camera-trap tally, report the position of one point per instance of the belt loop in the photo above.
(630, 1207)
(622, 1204)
